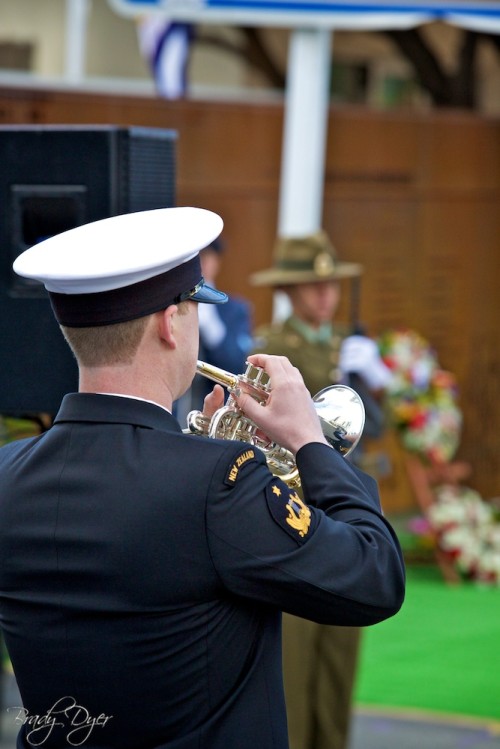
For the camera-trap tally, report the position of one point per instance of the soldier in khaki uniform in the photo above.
(319, 661)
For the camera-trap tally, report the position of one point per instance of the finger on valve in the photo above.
(213, 401)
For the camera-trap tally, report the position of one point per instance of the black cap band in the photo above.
(128, 302)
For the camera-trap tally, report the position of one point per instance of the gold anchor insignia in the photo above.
(299, 520)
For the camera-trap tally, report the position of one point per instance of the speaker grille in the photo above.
(52, 178)
(151, 170)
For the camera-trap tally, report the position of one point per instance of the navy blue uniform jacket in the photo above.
(143, 572)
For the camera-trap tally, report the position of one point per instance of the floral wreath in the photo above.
(421, 397)
(468, 531)
(422, 404)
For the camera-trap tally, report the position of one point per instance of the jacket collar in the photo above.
(113, 409)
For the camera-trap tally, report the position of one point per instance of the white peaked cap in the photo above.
(124, 266)
(120, 250)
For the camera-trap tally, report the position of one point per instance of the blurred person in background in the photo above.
(320, 661)
(226, 335)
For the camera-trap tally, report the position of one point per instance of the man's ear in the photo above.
(166, 327)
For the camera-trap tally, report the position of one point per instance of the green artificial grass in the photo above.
(440, 653)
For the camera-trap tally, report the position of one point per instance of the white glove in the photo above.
(359, 355)
(212, 329)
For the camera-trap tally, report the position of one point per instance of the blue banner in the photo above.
(355, 14)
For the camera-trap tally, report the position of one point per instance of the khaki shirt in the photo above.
(317, 361)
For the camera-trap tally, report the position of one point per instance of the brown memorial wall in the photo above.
(414, 198)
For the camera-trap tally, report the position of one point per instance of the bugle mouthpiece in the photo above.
(226, 379)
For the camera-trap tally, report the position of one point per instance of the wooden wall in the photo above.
(415, 198)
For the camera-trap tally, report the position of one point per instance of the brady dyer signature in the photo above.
(65, 713)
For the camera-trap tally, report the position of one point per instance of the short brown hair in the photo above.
(106, 345)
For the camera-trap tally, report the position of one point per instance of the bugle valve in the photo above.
(339, 408)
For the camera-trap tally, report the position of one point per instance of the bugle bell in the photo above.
(339, 407)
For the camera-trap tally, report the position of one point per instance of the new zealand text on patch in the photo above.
(242, 458)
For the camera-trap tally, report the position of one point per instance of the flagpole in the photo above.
(305, 132)
(77, 12)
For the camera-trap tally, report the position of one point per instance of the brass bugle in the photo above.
(254, 380)
(339, 408)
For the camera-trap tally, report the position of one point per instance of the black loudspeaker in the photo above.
(53, 178)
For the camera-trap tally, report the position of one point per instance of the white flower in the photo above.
(467, 529)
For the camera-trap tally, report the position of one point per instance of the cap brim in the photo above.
(283, 277)
(209, 295)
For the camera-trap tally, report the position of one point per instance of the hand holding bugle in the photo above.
(289, 419)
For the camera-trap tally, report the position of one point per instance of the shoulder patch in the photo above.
(288, 510)
(234, 471)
